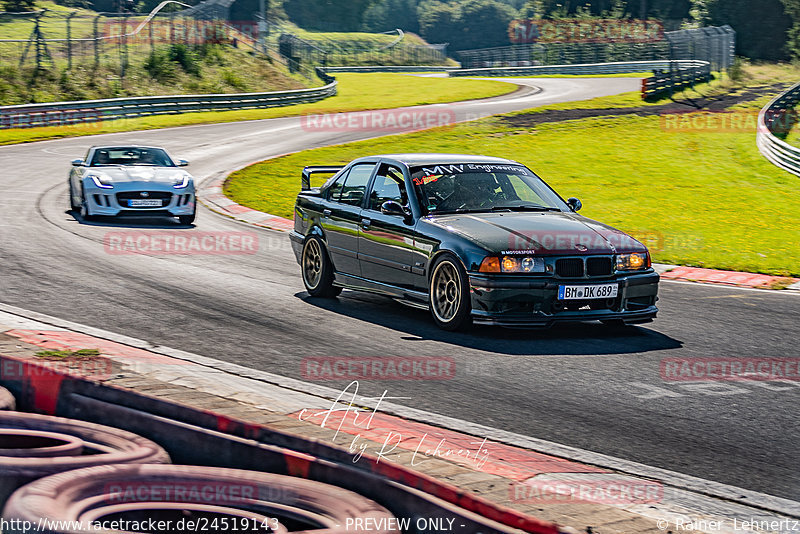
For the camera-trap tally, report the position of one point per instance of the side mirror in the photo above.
(390, 207)
(77, 162)
(182, 163)
(574, 204)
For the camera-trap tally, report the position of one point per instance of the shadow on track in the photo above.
(564, 339)
(156, 222)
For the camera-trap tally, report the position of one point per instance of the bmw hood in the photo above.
(546, 233)
(125, 174)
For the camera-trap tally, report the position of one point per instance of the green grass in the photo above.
(706, 198)
(620, 75)
(356, 92)
(196, 70)
(67, 354)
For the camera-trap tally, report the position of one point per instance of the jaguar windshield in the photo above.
(474, 187)
(131, 156)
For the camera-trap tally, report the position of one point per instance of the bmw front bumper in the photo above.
(510, 300)
(115, 201)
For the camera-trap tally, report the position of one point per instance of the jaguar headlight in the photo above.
(183, 181)
(101, 181)
(512, 264)
(633, 262)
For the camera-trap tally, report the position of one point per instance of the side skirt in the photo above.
(409, 297)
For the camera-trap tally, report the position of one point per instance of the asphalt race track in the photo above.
(585, 385)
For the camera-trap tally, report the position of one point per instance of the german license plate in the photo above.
(144, 203)
(594, 291)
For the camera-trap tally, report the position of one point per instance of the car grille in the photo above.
(569, 267)
(593, 266)
(599, 266)
(164, 196)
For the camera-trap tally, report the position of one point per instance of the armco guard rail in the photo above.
(618, 67)
(388, 68)
(680, 74)
(87, 111)
(776, 115)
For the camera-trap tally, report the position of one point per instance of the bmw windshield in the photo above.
(480, 187)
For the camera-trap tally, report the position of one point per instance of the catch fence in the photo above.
(713, 44)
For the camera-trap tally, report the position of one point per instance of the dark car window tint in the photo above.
(481, 187)
(335, 189)
(131, 156)
(388, 185)
(355, 185)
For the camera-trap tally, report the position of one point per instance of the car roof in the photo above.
(122, 145)
(415, 159)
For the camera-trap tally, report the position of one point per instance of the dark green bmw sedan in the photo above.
(470, 238)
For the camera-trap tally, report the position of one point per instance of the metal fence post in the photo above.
(69, 39)
(96, 41)
(150, 35)
(123, 60)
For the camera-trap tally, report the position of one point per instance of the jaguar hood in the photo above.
(127, 173)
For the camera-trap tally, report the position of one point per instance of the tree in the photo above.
(392, 14)
(761, 25)
(792, 8)
(471, 24)
(327, 15)
(18, 5)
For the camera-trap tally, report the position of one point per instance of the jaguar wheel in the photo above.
(449, 294)
(317, 269)
(84, 208)
(72, 206)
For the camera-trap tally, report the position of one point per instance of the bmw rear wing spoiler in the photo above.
(305, 185)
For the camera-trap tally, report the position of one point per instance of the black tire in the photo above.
(317, 269)
(187, 219)
(7, 401)
(103, 492)
(102, 445)
(72, 206)
(448, 291)
(84, 208)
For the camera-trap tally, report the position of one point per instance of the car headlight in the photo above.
(512, 264)
(103, 182)
(183, 181)
(633, 262)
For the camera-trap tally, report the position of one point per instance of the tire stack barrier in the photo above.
(35, 446)
(186, 496)
(7, 401)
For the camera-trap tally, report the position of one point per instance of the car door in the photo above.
(341, 217)
(385, 241)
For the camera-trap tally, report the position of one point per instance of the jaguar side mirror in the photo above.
(182, 163)
(77, 162)
(574, 204)
(390, 207)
